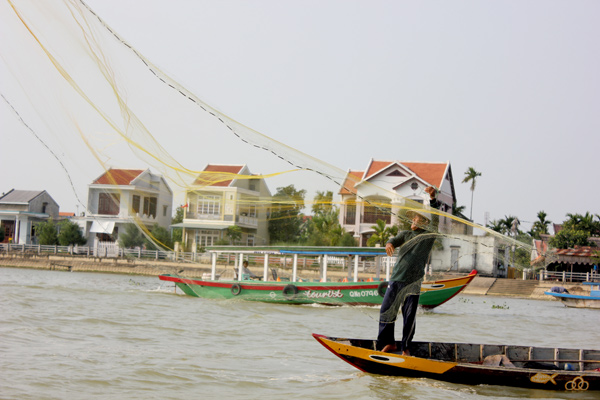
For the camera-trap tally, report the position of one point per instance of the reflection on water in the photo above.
(115, 336)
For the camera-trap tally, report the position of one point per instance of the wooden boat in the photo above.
(519, 366)
(579, 300)
(433, 293)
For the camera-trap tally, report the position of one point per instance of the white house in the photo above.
(122, 196)
(22, 210)
(381, 189)
(223, 196)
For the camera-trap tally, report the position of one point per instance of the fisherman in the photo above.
(406, 275)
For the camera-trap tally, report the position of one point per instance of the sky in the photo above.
(510, 88)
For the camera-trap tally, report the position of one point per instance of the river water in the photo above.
(71, 335)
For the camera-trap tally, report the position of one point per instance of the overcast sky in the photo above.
(510, 88)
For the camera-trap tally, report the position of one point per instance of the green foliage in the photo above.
(540, 227)
(70, 234)
(576, 230)
(382, 234)
(505, 226)
(46, 233)
(161, 239)
(234, 233)
(324, 228)
(132, 237)
(583, 223)
(569, 237)
(177, 233)
(286, 217)
(471, 176)
(458, 210)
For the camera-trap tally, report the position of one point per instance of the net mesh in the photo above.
(76, 84)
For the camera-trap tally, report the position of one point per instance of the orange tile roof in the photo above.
(118, 177)
(351, 179)
(432, 173)
(218, 175)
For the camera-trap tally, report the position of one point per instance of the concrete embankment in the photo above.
(479, 286)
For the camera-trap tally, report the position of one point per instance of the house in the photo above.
(381, 188)
(22, 210)
(224, 196)
(122, 196)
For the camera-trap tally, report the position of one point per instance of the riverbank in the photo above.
(481, 286)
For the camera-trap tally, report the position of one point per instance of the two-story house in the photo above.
(223, 196)
(22, 210)
(380, 190)
(122, 196)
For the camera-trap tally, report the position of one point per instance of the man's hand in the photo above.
(389, 249)
(432, 192)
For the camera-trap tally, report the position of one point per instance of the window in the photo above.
(135, 204)
(165, 208)
(150, 204)
(373, 213)
(350, 213)
(209, 205)
(108, 203)
(207, 238)
(44, 208)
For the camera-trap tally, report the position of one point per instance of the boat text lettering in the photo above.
(363, 293)
(330, 293)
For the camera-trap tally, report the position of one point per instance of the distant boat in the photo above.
(579, 300)
(476, 364)
(298, 291)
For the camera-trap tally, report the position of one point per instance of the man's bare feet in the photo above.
(389, 348)
(406, 352)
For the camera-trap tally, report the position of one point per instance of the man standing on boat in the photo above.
(405, 283)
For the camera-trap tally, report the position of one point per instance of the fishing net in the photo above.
(105, 111)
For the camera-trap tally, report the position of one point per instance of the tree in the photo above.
(458, 210)
(70, 234)
(323, 202)
(540, 227)
(382, 233)
(132, 237)
(286, 217)
(576, 230)
(161, 238)
(471, 176)
(46, 232)
(234, 233)
(324, 228)
(583, 223)
(567, 238)
(177, 234)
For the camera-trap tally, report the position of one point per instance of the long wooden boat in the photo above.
(580, 300)
(433, 293)
(565, 369)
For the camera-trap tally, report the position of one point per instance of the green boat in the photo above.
(433, 293)
(299, 291)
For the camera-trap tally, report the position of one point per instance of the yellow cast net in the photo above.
(104, 109)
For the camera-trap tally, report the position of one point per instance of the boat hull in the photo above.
(576, 301)
(329, 293)
(463, 364)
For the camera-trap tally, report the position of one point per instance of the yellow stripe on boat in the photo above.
(400, 361)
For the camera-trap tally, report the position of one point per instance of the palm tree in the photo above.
(540, 227)
(471, 176)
